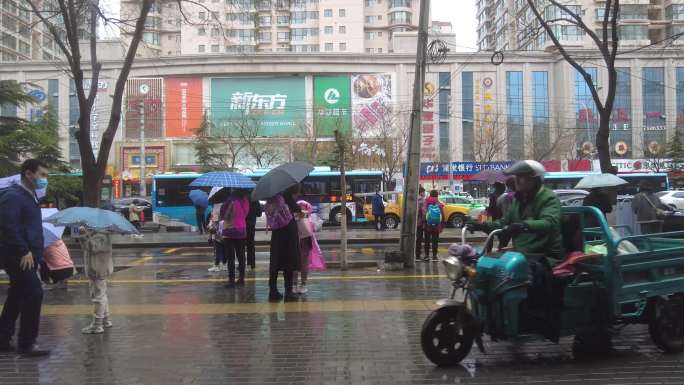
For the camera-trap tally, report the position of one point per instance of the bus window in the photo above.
(173, 192)
(314, 191)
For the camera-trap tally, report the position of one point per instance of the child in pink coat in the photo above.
(310, 253)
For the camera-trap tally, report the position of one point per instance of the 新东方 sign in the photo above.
(276, 105)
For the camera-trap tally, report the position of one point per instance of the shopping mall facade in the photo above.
(528, 105)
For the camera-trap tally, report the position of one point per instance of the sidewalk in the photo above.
(327, 236)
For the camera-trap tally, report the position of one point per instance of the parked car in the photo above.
(456, 214)
(121, 206)
(674, 199)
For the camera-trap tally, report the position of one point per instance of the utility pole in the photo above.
(343, 191)
(143, 183)
(408, 228)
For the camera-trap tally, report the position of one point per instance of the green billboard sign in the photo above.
(332, 104)
(275, 105)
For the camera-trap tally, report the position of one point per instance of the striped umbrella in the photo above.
(224, 179)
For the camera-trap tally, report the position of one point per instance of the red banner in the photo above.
(183, 106)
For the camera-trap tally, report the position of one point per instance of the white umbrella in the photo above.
(16, 179)
(600, 180)
(51, 233)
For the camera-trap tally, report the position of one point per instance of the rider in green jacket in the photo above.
(534, 217)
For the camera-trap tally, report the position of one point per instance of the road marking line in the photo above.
(171, 250)
(247, 308)
(140, 261)
(259, 279)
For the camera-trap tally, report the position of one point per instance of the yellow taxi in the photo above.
(456, 215)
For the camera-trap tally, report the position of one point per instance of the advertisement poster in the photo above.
(144, 103)
(485, 114)
(332, 104)
(183, 106)
(276, 105)
(429, 138)
(371, 103)
(98, 115)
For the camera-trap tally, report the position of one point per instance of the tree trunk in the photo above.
(603, 144)
(92, 183)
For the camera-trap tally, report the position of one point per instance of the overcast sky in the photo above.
(461, 13)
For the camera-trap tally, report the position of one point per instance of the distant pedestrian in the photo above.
(420, 229)
(234, 214)
(493, 210)
(200, 215)
(284, 252)
(600, 199)
(134, 211)
(98, 266)
(21, 242)
(310, 252)
(434, 224)
(649, 210)
(379, 211)
(216, 240)
(255, 212)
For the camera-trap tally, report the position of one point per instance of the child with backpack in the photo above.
(98, 266)
(434, 224)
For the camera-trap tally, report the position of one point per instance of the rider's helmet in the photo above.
(529, 167)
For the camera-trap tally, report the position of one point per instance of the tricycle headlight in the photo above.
(453, 267)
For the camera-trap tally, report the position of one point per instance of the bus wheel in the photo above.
(336, 217)
(391, 221)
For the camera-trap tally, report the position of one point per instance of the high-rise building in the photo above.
(22, 36)
(510, 24)
(245, 26)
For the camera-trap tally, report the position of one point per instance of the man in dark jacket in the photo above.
(255, 212)
(379, 211)
(21, 251)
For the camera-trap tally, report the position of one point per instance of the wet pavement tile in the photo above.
(177, 324)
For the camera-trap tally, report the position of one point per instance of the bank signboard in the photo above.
(459, 170)
(277, 105)
(332, 104)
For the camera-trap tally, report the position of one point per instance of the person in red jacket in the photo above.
(434, 224)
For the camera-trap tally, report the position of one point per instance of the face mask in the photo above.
(41, 183)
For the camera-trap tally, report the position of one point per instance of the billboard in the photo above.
(371, 101)
(332, 104)
(183, 106)
(429, 139)
(276, 105)
(144, 103)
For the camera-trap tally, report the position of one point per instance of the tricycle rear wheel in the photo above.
(445, 337)
(667, 327)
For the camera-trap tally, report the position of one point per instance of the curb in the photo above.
(156, 245)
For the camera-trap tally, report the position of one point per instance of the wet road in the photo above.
(174, 323)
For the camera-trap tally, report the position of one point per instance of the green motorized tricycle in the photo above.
(604, 281)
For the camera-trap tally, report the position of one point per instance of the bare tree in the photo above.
(552, 143)
(488, 145)
(69, 22)
(234, 139)
(656, 156)
(607, 45)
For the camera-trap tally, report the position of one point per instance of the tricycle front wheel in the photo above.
(667, 327)
(445, 338)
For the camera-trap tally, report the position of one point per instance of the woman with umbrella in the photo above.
(281, 187)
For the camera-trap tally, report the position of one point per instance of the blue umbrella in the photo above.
(223, 179)
(199, 198)
(51, 233)
(95, 219)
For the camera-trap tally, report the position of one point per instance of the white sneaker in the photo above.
(303, 289)
(214, 269)
(106, 323)
(224, 267)
(93, 328)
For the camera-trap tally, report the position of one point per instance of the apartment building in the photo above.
(510, 24)
(22, 36)
(247, 26)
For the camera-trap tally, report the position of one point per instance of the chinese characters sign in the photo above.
(332, 104)
(184, 106)
(484, 107)
(462, 170)
(371, 100)
(429, 138)
(277, 104)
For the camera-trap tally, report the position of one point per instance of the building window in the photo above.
(343, 29)
(680, 97)
(264, 37)
(264, 21)
(467, 115)
(328, 47)
(621, 117)
(514, 104)
(343, 46)
(586, 113)
(215, 32)
(201, 31)
(379, 50)
(202, 15)
(633, 32)
(540, 114)
(328, 30)
(444, 114)
(200, 48)
(401, 3)
(214, 48)
(327, 13)
(369, 50)
(283, 20)
(283, 36)
(653, 94)
(673, 12)
(342, 12)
